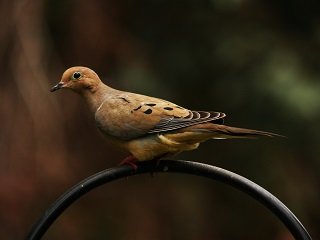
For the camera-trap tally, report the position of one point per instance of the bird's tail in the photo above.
(223, 131)
(205, 131)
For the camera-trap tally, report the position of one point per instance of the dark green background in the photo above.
(257, 61)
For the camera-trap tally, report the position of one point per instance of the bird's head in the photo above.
(78, 79)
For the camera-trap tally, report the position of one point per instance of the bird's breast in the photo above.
(156, 145)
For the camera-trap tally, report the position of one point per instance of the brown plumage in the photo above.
(147, 127)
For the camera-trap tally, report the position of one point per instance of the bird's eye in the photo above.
(76, 75)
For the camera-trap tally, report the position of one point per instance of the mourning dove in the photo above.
(147, 127)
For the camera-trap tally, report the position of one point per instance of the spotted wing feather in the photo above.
(194, 117)
(128, 116)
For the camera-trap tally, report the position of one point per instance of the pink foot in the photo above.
(130, 160)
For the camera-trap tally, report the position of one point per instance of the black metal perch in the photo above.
(194, 168)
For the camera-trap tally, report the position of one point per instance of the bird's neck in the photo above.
(95, 97)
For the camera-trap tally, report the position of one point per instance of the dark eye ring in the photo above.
(76, 75)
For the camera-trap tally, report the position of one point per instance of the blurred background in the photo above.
(257, 61)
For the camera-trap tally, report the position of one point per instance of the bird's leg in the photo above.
(157, 161)
(130, 160)
(158, 158)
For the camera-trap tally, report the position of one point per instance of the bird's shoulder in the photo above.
(133, 104)
(129, 115)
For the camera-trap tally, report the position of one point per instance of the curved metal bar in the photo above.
(194, 168)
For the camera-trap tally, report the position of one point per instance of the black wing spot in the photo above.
(136, 109)
(168, 108)
(151, 104)
(148, 111)
(124, 99)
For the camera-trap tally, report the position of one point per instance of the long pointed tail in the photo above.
(217, 131)
(205, 131)
(234, 132)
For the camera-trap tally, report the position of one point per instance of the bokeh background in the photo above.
(257, 61)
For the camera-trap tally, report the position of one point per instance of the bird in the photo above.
(148, 128)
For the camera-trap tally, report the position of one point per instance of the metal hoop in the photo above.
(194, 168)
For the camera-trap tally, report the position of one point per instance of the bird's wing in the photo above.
(128, 115)
(194, 117)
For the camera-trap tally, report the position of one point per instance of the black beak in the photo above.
(56, 87)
